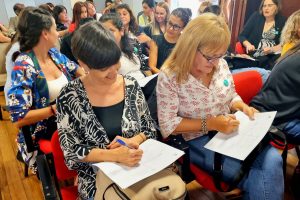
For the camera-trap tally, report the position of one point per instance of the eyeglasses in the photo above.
(268, 5)
(175, 27)
(212, 59)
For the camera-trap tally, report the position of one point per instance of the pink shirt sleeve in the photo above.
(167, 105)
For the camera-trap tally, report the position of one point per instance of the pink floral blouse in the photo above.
(192, 99)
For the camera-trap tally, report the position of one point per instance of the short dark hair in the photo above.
(95, 46)
(30, 27)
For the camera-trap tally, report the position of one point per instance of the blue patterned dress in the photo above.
(29, 91)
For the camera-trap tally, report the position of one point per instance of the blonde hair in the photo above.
(206, 31)
(290, 30)
(155, 28)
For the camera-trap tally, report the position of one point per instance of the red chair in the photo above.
(61, 172)
(239, 48)
(247, 85)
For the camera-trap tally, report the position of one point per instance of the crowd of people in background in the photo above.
(83, 74)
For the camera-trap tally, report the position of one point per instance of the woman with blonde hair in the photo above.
(291, 32)
(159, 24)
(195, 96)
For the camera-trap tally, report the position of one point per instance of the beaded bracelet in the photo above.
(203, 125)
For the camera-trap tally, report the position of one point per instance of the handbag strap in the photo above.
(118, 191)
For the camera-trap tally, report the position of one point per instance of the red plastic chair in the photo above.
(239, 48)
(61, 172)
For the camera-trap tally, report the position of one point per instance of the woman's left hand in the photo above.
(249, 111)
(129, 142)
(268, 50)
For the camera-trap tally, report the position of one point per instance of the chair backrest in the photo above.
(247, 84)
(61, 170)
(239, 49)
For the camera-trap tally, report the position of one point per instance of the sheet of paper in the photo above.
(240, 143)
(144, 81)
(156, 157)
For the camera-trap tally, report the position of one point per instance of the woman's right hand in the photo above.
(127, 156)
(250, 47)
(224, 123)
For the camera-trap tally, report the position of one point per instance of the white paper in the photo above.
(144, 81)
(240, 143)
(156, 157)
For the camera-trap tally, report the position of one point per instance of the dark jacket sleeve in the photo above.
(279, 24)
(253, 29)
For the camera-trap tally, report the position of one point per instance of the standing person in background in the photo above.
(159, 25)
(39, 73)
(92, 10)
(195, 96)
(79, 12)
(13, 21)
(261, 34)
(162, 45)
(146, 16)
(291, 32)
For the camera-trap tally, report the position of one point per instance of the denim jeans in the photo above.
(264, 180)
(292, 131)
(263, 72)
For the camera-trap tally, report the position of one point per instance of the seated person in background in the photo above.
(39, 73)
(65, 46)
(261, 34)
(162, 45)
(159, 24)
(94, 110)
(79, 12)
(46, 7)
(129, 61)
(146, 16)
(281, 93)
(92, 10)
(51, 5)
(195, 96)
(291, 32)
(13, 21)
(61, 19)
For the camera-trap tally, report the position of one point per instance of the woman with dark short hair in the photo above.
(39, 73)
(95, 110)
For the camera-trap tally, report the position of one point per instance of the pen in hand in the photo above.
(121, 142)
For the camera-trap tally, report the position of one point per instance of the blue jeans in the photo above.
(263, 72)
(292, 131)
(264, 180)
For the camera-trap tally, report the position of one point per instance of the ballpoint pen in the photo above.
(121, 142)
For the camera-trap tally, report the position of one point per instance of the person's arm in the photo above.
(75, 152)
(3, 38)
(153, 55)
(63, 33)
(171, 123)
(241, 106)
(20, 96)
(3, 28)
(247, 31)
